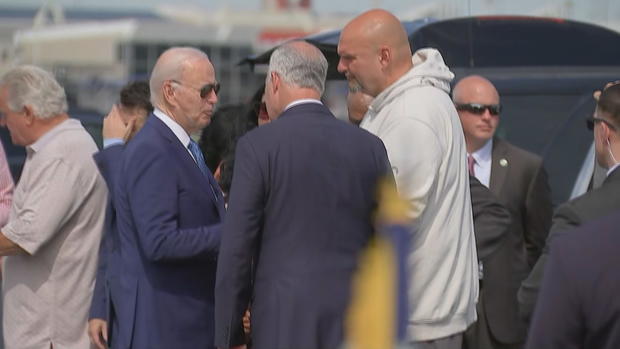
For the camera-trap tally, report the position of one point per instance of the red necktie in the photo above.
(470, 165)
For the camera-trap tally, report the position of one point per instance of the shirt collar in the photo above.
(301, 101)
(51, 134)
(173, 126)
(484, 153)
(612, 169)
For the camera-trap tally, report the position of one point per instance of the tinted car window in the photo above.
(554, 127)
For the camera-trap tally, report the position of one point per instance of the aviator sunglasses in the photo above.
(205, 90)
(479, 109)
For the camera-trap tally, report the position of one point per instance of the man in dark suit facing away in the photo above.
(168, 210)
(578, 306)
(302, 218)
(519, 181)
(594, 204)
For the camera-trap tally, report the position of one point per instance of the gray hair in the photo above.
(301, 64)
(37, 88)
(170, 66)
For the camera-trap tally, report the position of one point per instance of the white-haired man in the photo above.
(56, 221)
(168, 209)
(307, 218)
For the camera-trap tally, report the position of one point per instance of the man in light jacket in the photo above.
(413, 114)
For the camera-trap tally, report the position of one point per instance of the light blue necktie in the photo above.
(202, 165)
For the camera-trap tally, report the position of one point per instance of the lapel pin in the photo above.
(503, 162)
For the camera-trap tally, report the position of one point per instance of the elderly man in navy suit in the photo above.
(169, 210)
(302, 219)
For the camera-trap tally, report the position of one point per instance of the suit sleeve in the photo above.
(491, 219)
(108, 161)
(538, 213)
(557, 319)
(100, 301)
(240, 240)
(565, 219)
(153, 194)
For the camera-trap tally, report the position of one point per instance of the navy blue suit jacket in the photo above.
(169, 231)
(302, 197)
(579, 307)
(108, 160)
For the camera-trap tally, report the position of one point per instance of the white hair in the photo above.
(37, 88)
(169, 66)
(301, 65)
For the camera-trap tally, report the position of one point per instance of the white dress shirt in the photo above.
(175, 128)
(484, 159)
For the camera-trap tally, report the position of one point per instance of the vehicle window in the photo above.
(552, 126)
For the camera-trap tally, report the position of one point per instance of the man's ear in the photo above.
(168, 92)
(28, 115)
(275, 82)
(385, 56)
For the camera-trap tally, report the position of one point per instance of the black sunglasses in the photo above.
(205, 90)
(479, 109)
(592, 120)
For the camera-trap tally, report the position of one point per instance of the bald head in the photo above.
(379, 27)
(171, 65)
(374, 51)
(475, 89)
(477, 103)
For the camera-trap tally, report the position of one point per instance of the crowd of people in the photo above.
(251, 237)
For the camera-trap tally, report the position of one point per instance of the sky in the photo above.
(594, 10)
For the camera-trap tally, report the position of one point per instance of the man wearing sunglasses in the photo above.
(552, 307)
(519, 181)
(168, 208)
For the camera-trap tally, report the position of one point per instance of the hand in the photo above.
(113, 124)
(246, 322)
(98, 333)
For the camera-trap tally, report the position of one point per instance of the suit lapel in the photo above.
(499, 166)
(206, 183)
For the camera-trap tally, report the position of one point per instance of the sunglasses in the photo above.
(478, 109)
(592, 120)
(205, 90)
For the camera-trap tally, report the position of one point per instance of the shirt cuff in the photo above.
(108, 142)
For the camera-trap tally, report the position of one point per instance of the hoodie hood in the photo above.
(428, 69)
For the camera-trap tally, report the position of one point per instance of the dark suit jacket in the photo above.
(108, 160)
(169, 230)
(302, 196)
(579, 305)
(491, 220)
(587, 207)
(519, 181)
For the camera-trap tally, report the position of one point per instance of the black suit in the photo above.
(587, 207)
(491, 228)
(303, 194)
(519, 181)
(491, 220)
(579, 305)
